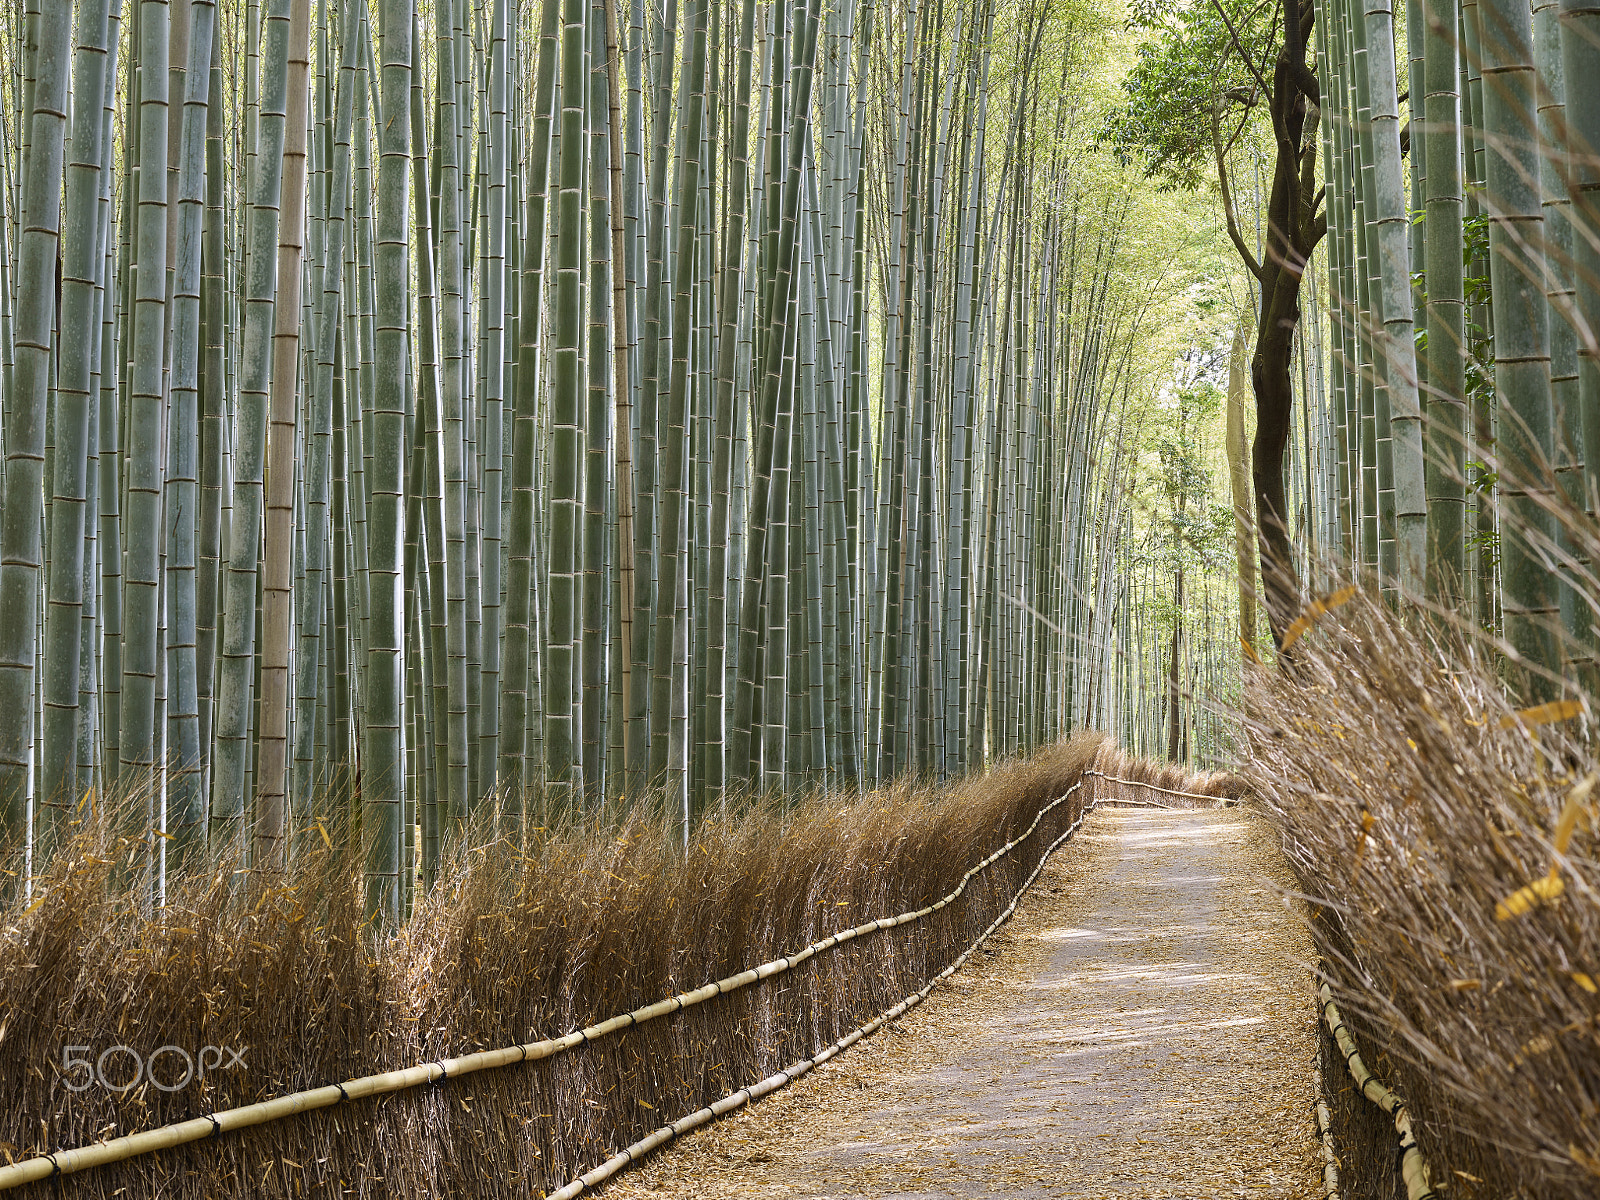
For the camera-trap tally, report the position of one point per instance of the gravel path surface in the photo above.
(1142, 1028)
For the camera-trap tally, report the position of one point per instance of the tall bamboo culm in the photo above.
(540, 405)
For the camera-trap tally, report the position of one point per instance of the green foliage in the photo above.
(1476, 292)
(1187, 66)
(1485, 540)
(1194, 530)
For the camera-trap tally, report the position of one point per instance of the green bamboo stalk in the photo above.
(81, 265)
(1521, 336)
(213, 334)
(363, 392)
(146, 457)
(1373, 440)
(600, 455)
(1446, 358)
(674, 514)
(310, 614)
(517, 678)
(91, 774)
(770, 466)
(622, 378)
(1560, 292)
(235, 707)
(1580, 53)
(1391, 220)
(186, 802)
(1331, 48)
(494, 356)
(1485, 518)
(563, 714)
(381, 768)
(643, 735)
(111, 457)
(454, 402)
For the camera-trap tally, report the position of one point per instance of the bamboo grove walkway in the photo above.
(1144, 1027)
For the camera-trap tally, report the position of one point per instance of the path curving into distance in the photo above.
(1144, 1027)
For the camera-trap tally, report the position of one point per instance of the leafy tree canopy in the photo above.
(1191, 70)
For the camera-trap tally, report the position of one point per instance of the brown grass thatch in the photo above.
(515, 945)
(1459, 926)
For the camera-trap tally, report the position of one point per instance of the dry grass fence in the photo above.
(1448, 845)
(1127, 780)
(517, 945)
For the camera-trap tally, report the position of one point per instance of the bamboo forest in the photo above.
(514, 509)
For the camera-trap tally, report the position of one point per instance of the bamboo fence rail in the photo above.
(1413, 1167)
(67, 1162)
(1330, 1162)
(789, 1074)
(1153, 787)
(1142, 804)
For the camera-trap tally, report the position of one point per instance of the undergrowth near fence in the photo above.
(1449, 846)
(516, 943)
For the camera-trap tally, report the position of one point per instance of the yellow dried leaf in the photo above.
(1544, 714)
(1584, 1159)
(1572, 810)
(1317, 607)
(1540, 891)
(1250, 652)
(1465, 985)
(1542, 1044)
(1583, 981)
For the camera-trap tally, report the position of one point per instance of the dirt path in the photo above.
(1143, 1027)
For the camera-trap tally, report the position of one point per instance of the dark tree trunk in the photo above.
(1271, 381)
(1294, 227)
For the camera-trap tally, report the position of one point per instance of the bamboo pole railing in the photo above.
(166, 1137)
(1153, 787)
(773, 1082)
(1413, 1167)
(1330, 1161)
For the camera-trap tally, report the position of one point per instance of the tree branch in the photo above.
(1238, 46)
(1217, 147)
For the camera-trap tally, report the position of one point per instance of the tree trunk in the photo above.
(1239, 480)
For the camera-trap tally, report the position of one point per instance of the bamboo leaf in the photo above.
(1572, 810)
(1543, 714)
(1540, 891)
(1309, 617)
